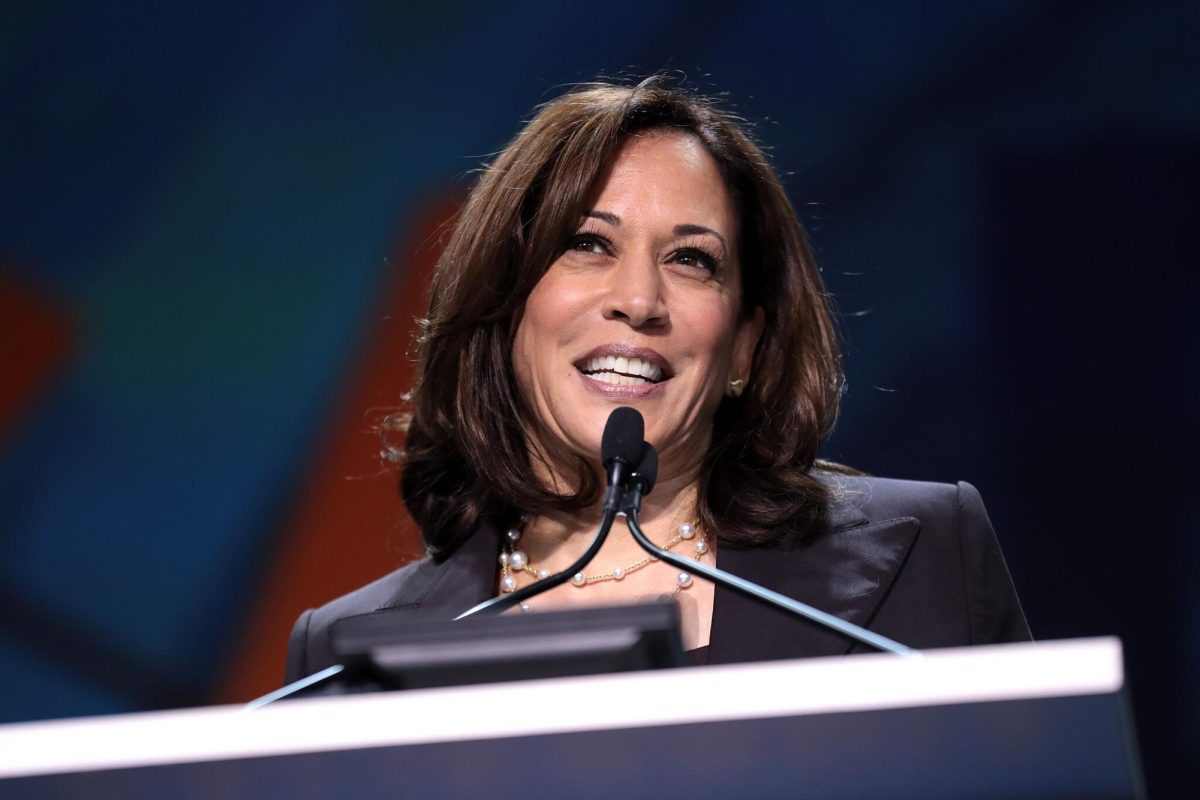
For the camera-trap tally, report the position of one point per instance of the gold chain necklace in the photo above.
(513, 560)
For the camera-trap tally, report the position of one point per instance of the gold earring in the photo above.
(737, 387)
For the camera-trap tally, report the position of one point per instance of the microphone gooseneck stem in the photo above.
(495, 605)
(764, 595)
(308, 682)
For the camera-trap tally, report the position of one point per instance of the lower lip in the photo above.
(618, 392)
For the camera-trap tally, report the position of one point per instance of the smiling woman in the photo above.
(633, 247)
(642, 308)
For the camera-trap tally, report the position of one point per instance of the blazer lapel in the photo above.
(845, 571)
(443, 590)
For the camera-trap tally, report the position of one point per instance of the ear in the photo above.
(745, 340)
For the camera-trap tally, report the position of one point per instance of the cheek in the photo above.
(714, 330)
(521, 357)
(541, 318)
(549, 314)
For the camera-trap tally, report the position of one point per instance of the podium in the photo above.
(1040, 720)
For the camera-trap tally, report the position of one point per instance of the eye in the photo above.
(591, 243)
(695, 258)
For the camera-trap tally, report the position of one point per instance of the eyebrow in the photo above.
(604, 216)
(679, 230)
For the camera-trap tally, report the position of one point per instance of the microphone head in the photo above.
(623, 434)
(647, 470)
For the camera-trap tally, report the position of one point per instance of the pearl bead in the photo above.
(514, 535)
(508, 584)
(517, 559)
(578, 579)
(686, 530)
(504, 559)
(543, 574)
(618, 573)
(701, 546)
(528, 609)
(684, 579)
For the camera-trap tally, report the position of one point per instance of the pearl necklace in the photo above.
(513, 560)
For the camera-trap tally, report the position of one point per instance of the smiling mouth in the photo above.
(622, 371)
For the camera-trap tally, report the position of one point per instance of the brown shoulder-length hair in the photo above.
(465, 454)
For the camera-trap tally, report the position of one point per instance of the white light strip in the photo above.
(670, 697)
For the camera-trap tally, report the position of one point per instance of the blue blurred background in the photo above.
(208, 213)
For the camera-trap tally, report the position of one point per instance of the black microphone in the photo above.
(621, 450)
(642, 480)
(631, 505)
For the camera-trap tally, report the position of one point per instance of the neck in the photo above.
(553, 542)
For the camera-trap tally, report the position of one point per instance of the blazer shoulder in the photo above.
(426, 589)
(308, 646)
(956, 562)
(383, 592)
(865, 499)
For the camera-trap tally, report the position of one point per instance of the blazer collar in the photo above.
(846, 571)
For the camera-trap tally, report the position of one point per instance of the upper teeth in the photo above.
(626, 366)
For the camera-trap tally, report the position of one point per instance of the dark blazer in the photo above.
(916, 562)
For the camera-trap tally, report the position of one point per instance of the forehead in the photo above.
(666, 173)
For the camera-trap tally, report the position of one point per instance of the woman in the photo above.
(632, 246)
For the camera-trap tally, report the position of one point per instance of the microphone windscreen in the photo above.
(623, 434)
(647, 470)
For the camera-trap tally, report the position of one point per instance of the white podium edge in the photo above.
(1069, 668)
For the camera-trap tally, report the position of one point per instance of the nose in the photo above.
(634, 293)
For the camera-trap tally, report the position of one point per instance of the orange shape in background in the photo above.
(36, 339)
(348, 525)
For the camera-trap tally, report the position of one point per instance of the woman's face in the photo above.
(641, 309)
